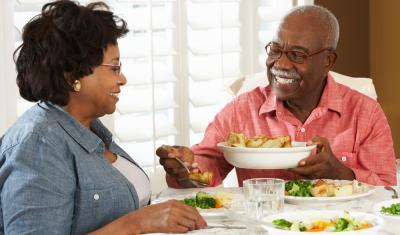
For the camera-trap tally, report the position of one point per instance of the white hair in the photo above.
(328, 20)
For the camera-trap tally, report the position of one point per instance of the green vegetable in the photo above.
(394, 209)
(202, 200)
(200, 195)
(190, 201)
(205, 200)
(282, 223)
(341, 225)
(300, 188)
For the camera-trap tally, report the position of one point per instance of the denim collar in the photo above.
(82, 135)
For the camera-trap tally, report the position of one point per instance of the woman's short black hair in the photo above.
(62, 44)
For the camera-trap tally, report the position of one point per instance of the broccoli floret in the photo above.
(206, 203)
(202, 200)
(301, 188)
(190, 201)
(205, 200)
(341, 225)
(202, 194)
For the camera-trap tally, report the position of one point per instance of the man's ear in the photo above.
(330, 60)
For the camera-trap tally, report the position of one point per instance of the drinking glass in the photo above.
(263, 196)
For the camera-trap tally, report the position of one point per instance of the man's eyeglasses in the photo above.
(299, 57)
(116, 68)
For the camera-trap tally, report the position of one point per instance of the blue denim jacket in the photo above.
(54, 178)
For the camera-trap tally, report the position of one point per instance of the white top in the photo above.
(137, 177)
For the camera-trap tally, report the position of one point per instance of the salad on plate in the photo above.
(340, 223)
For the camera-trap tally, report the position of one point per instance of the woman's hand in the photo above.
(324, 164)
(167, 156)
(168, 217)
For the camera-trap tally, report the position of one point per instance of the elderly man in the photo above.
(302, 100)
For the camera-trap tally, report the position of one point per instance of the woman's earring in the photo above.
(77, 85)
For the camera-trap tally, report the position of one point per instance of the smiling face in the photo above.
(99, 91)
(292, 81)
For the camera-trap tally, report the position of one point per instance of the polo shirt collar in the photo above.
(330, 98)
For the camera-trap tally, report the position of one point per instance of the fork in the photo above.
(197, 183)
(395, 194)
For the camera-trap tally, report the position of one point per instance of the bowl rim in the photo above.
(294, 149)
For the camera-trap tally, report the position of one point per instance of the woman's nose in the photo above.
(122, 79)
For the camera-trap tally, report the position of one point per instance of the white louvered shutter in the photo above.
(178, 57)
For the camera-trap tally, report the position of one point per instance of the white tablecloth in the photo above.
(363, 204)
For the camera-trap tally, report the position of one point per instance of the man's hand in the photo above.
(167, 156)
(324, 164)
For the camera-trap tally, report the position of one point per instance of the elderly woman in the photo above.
(60, 170)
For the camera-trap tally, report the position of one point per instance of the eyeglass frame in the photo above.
(307, 55)
(118, 66)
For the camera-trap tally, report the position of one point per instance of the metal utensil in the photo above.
(225, 225)
(395, 194)
(197, 183)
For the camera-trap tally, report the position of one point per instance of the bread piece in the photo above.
(343, 190)
(319, 191)
(202, 177)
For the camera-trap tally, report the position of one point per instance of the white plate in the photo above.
(213, 213)
(367, 190)
(320, 214)
(266, 158)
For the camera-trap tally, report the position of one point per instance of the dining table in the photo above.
(228, 225)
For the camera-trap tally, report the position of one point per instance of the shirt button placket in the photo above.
(300, 135)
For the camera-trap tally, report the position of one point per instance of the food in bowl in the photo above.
(340, 223)
(393, 209)
(388, 211)
(266, 158)
(260, 141)
(322, 188)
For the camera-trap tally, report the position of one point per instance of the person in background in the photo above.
(302, 100)
(60, 170)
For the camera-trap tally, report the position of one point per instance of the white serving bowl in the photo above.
(391, 223)
(321, 214)
(266, 158)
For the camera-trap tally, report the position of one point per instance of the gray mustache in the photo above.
(284, 73)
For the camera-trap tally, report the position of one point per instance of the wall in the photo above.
(384, 59)
(353, 47)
